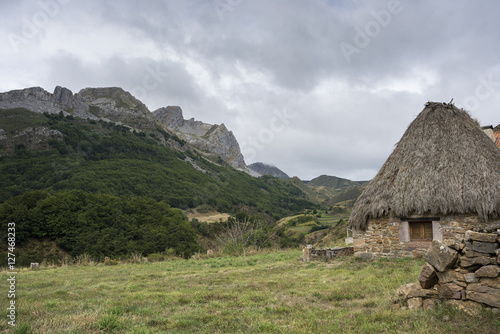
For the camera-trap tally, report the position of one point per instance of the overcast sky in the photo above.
(311, 86)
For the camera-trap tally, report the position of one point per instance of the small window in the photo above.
(421, 231)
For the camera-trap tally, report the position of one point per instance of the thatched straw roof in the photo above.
(443, 164)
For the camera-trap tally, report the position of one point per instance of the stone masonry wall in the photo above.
(383, 236)
(465, 274)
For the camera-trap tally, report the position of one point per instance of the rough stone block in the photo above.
(415, 303)
(488, 271)
(472, 261)
(450, 276)
(414, 290)
(491, 282)
(452, 243)
(430, 304)
(450, 291)
(484, 237)
(484, 247)
(471, 278)
(427, 277)
(441, 256)
(498, 259)
(483, 294)
(470, 253)
(467, 306)
(404, 291)
(306, 254)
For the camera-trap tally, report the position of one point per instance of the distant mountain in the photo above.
(329, 190)
(113, 104)
(265, 169)
(104, 140)
(335, 182)
(211, 139)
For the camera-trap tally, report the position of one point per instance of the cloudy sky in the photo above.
(311, 86)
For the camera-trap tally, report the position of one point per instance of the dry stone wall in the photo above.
(465, 273)
(310, 253)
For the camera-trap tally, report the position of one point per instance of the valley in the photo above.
(76, 164)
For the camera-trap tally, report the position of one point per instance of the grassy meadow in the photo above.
(267, 292)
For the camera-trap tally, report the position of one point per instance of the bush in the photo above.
(168, 254)
(318, 228)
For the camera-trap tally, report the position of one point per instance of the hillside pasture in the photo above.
(271, 292)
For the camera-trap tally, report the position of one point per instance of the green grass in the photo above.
(17, 119)
(264, 293)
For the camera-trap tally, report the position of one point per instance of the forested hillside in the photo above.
(97, 187)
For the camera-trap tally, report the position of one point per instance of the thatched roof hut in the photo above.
(444, 164)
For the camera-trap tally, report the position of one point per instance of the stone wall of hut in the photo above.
(384, 237)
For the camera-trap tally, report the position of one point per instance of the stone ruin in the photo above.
(310, 253)
(464, 273)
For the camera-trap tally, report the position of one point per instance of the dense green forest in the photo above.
(103, 190)
(99, 225)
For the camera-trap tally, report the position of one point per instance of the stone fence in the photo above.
(310, 253)
(464, 273)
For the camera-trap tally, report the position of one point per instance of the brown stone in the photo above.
(471, 278)
(488, 271)
(470, 253)
(306, 254)
(452, 243)
(450, 291)
(483, 294)
(491, 282)
(430, 304)
(415, 303)
(467, 306)
(498, 259)
(484, 247)
(484, 237)
(472, 261)
(450, 276)
(414, 290)
(441, 256)
(427, 277)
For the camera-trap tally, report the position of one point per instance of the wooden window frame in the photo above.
(420, 225)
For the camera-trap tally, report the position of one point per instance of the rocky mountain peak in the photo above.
(37, 99)
(171, 115)
(113, 99)
(266, 169)
(212, 139)
(113, 104)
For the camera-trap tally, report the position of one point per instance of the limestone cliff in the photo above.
(38, 100)
(265, 169)
(113, 104)
(212, 139)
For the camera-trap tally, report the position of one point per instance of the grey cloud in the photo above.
(241, 65)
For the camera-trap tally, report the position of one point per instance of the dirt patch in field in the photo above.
(209, 217)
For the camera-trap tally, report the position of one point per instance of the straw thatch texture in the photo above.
(443, 164)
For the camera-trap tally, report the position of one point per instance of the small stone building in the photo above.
(442, 179)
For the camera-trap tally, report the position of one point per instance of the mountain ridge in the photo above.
(266, 169)
(209, 138)
(114, 104)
